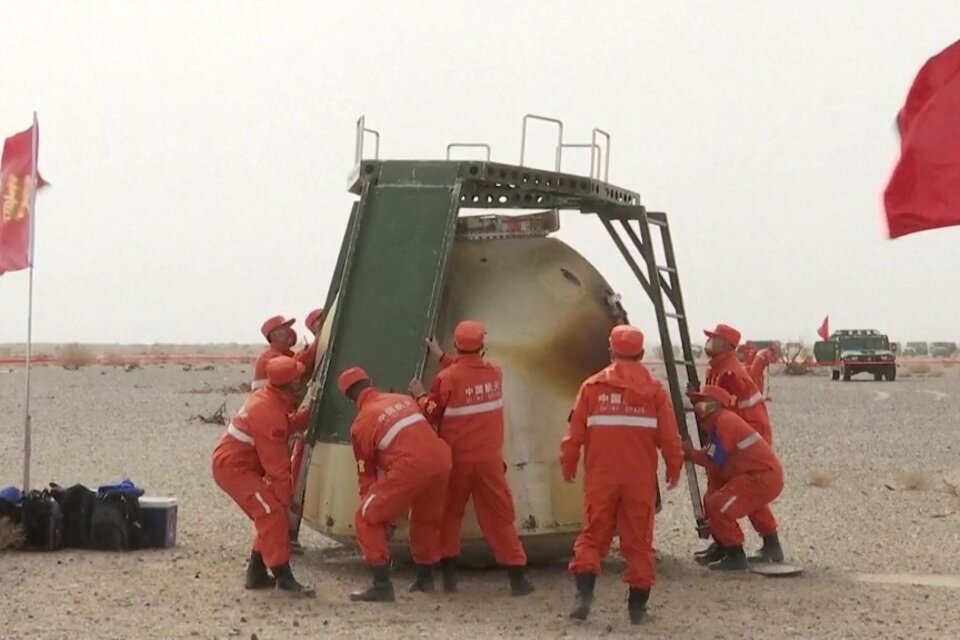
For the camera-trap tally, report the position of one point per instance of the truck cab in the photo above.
(849, 352)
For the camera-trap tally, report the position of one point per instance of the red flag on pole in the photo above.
(924, 190)
(824, 330)
(16, 200)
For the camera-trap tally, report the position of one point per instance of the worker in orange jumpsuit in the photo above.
(465, 403)
(751, 473)
(758, 367)
(729, 373)
(308, 357)
(252, 465)
(748, 352)
(401, 463)
(621, 417)
(281, 338)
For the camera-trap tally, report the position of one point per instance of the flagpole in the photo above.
(32, 212)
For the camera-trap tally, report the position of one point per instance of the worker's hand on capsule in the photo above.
(416, 388)
(692, 388)
(434, 347)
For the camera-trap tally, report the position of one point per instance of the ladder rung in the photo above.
(666, 269)
(657, 221)
(675, 316)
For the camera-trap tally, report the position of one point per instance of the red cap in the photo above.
(313, 316)
(626, 341)
(350, 377)
(283, 370)
(726, 332)
(713, 392)
(468, 335)
(275, 323)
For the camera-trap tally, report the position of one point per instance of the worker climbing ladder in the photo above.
(388, 283)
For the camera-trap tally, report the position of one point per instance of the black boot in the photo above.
(519, 585)
(288, 584)
(637, 604)
(380, 591)
(581, 606)
(771, 550)
(733, 560)
(257, 576)
(449, 568)
(295, 547)
(424, 580)
(713, 553)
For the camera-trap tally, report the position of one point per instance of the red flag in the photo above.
(16, 186)
(824, 330)
(924, 190)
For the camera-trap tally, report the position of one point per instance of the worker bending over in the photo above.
(727, 372)
(752, 476)
(621, 417)
(391, 436)
(465, 403)
(252, 465)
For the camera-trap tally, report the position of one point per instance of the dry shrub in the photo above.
(912, 480)
(11, 535)
(919, 369)
(820, 479)
(73, 356)
(936, 373)
(904, 373)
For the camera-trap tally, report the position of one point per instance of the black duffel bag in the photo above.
(77, 503)
(116, 524)
(42, 521)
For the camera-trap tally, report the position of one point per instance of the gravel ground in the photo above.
(867, 439)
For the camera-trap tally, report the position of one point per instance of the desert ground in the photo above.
(869, 508)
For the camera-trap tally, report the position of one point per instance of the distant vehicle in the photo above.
(943, 349)
(697, 350)
(852, 351)
(914, 349)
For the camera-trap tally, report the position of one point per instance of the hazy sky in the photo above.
(198, 151)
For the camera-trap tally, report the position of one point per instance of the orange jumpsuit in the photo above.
(753, 474)
(260, 366)
(392, 437)
(465, 402)
(622, 415)
(305, 356)
(729, 373)
(251, 464)
(758, 368)
(308, 357)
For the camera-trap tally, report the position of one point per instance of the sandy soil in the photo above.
(98, 424)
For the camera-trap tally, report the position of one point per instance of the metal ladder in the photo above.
(662, 285)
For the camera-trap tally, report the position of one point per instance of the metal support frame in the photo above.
(606, 161)
(468, 145)
(490, 185)
(657, 289)
(594, 154)
(523, 137)
(358, 142)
